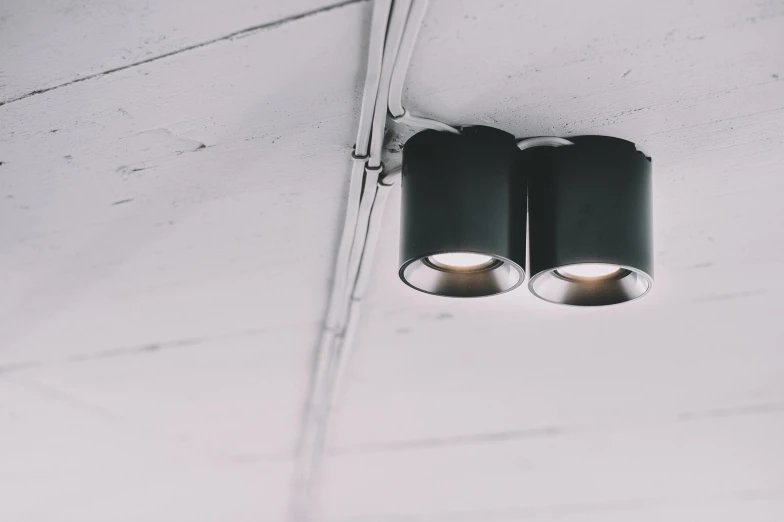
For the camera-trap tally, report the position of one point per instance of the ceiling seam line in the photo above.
(227, 37)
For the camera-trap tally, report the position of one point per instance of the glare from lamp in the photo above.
(460, 260)
(589, 270)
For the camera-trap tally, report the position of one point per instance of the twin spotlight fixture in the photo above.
(474, 203)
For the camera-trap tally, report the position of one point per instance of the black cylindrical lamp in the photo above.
(463, 213)
(590, 221)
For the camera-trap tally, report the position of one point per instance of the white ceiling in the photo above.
(167, 235)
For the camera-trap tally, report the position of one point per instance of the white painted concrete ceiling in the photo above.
(171, 191)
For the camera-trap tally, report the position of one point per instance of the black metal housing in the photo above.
(589, 202)
(462, 193)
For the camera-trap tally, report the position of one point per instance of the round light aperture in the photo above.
(589, 270)
(461, 260)
(574, 287)
(462, 274)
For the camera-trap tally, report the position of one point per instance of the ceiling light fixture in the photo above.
(590, 221)
(462, 234)
(464, 218)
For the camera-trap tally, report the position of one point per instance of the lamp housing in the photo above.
(463, 213)
(590, 221)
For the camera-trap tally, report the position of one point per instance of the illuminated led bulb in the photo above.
(461, 260)
(589, 270)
